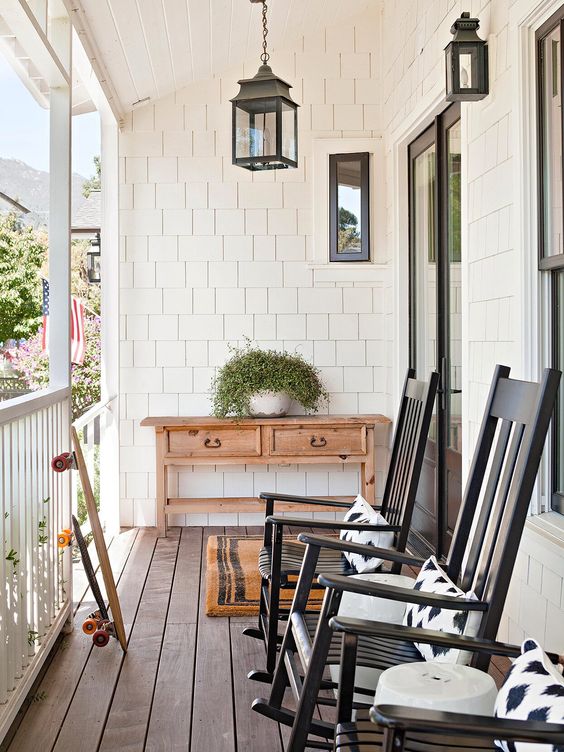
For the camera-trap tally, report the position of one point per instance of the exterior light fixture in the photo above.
(265, 118)
(466, 62)
(93, 261)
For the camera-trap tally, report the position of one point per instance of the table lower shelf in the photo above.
(249, 504)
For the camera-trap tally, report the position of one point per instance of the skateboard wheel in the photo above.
(64, 538)
(61, 462)
(90, 626)
(101, 638)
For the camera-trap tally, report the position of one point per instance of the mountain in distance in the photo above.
(30, 187)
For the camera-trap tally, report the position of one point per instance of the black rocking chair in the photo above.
(389, 727)
(481, 559)
(280, 559)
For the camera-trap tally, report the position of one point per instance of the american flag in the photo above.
(78, 343)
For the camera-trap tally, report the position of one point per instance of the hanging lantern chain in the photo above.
(265, 57)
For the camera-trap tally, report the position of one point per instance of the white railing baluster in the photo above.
(3, 579)
(35, 581)
(12, 576)
(20, 502)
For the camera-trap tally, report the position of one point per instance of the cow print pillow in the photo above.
(432, 579)
(361, 511)
(533, 690)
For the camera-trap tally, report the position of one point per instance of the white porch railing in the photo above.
(92, 428)
(35, 577)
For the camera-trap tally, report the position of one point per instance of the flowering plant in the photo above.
(32, 364)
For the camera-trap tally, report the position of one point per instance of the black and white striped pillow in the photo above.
(533, 690)
(432, 579)
(361, 511)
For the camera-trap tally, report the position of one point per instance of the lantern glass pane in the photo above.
(242, 133)
(255, 127)
(468, 65)
(264, 143)
(349, 206)
(466, 70)
(289, 132)
(449, 69)
(94, 266)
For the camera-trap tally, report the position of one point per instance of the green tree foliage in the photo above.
(348, 236)
(80, 286)
(22, 254)
(95, 182)
(347, 219)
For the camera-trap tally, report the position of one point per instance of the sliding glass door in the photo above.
(435, 320)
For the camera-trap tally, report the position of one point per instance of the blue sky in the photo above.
(24, 128)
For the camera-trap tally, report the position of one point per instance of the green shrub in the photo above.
(250, 370)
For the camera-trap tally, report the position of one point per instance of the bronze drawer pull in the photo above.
(318, 444)
(215, 444)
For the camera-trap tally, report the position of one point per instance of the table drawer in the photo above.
(322, 440)
(214, 442)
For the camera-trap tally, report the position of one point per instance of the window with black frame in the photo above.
(551, 214)
(349, 213)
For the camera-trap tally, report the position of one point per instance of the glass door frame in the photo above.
(437, 134)
(551, 264)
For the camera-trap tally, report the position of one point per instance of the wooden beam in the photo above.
(91, 51)
(26, 28)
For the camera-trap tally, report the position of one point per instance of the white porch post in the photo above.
(60, 179)
(59, 236)
(109, 449)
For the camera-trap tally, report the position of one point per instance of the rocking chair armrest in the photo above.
(384, 630)
(293, 499)
(331, 524)
(337, 544)
(445, 723)
(395, 593)
(367, 628)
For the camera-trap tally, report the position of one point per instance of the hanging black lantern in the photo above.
(466, 62)
(93, 261)
(265, 118)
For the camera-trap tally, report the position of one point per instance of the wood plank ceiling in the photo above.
(150, 48)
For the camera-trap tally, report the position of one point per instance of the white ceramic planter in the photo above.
(269, 404)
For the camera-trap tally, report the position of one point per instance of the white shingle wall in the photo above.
(414, 35)
(212, 254)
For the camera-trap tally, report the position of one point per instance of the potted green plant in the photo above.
(263, 383)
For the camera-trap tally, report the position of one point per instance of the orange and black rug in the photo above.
(233, 580)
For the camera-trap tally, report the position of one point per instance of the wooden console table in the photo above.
(330, 439)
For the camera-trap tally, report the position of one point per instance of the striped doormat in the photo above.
(233, 580)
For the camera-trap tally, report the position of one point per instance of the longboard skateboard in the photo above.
(72, 460)
(98, 623)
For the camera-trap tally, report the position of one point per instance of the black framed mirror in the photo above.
(349, 215)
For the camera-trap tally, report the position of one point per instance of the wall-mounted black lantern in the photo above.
(466, 62)
(265, 118)
(93, 261)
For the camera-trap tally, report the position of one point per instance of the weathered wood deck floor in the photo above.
(182, 685)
